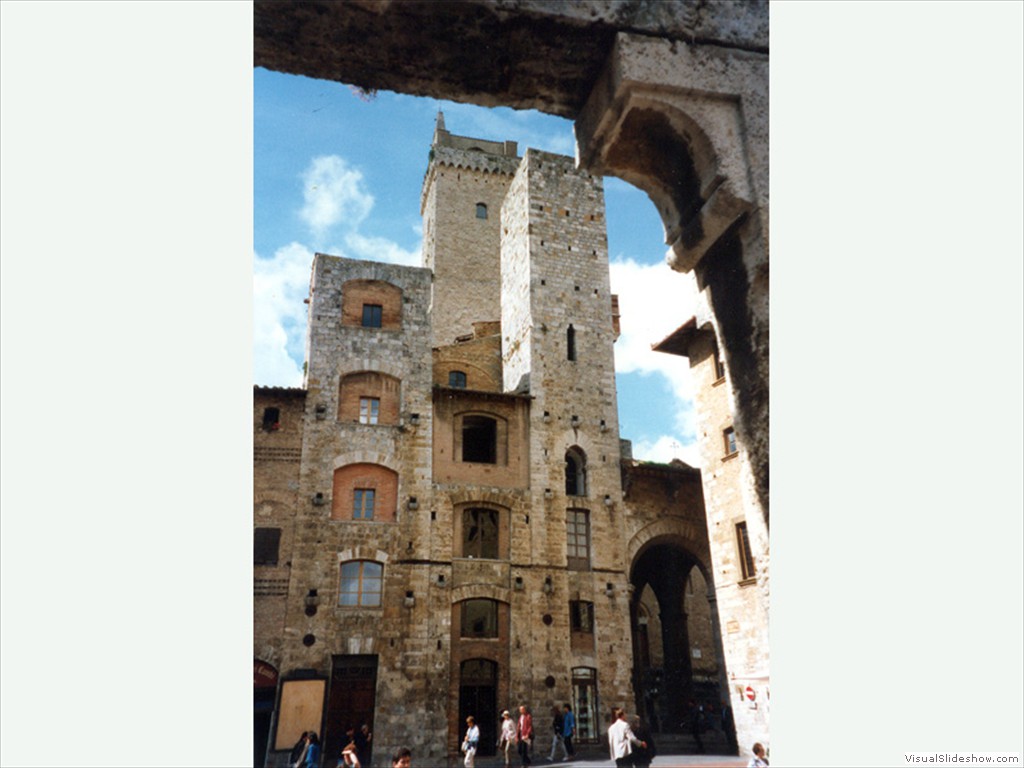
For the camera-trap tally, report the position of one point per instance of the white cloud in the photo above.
(380, 249)
(334, 194)
(280, 284)
(666, 448)
(654, 301)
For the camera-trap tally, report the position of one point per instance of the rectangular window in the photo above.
(369, 410)
(578, 539)
(457, 379)
(480, 533)
(362, 504)
(479, 618)
(719, 366)
(729, 436)
(581, 616)
(266, 543)
(479, 439)
(373, 315)
(746, 556)
(361, 583)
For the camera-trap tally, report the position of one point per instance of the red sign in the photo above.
(750, 693)
(263, 675)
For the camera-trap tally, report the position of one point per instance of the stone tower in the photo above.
(463, 190)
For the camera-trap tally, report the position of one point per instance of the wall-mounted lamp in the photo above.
(318, 500)
(413, 504)
(414, 419)
(518, 584)
(440, 580)
(547, 417)
(321, 411)
(607, 500)
(548, 586)
(410, 599)
(575, 421)
(609, 589)
(312, 601)
(548, 494)
(604, 427)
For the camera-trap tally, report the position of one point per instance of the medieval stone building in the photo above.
(446, 520)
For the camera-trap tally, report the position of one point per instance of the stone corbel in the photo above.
(667, 119)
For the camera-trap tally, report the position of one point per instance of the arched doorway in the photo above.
(478, 696)
(677, 658)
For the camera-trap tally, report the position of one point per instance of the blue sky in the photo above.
(340, 173)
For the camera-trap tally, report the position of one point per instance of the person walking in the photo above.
(471, 741)
(557, 737)
(758, 760)
(524, 734)
(621, 739)
(295, 759)
(569, 731)
(313, 751)
(642, 756)
(507, 738)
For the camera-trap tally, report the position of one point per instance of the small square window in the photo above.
(479, 618)
(271, 419)
(362, 503)
(456, 379)
(481, 211)
(373, 315)
(729, 436)
(369, 410)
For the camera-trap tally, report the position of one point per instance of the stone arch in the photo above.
(676, 532)
(481, 592)
(356, 386)
(365, 457)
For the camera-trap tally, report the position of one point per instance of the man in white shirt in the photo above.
(621, 739)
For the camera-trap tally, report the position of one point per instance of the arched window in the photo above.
(364, 492)
(570, 343)
(362, 583)
(575, 472)
(481, 210)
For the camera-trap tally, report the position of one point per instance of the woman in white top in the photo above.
(469, 744)
(507, 740)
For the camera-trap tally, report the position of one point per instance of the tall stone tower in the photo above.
(465, 185)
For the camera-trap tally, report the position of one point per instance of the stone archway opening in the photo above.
(677, 664)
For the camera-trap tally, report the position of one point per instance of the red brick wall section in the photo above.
(381, 479)
(369, 384)
(355, 293)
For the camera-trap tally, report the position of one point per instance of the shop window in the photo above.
(578, 539)
(575, 472)
(362, 503)
(746, 556)
(480, 533)
(481, 211)
(729, 438)
(369, 410)
(457, 379)
(362, 583)
(479, 439)
(266, 544)
(479, 618)
(373, 315)
(271, 419)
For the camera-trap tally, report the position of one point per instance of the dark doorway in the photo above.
(263, 710)
(350, 703)
(478, 696)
